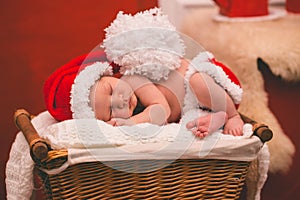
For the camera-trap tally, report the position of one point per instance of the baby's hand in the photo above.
(120, 122)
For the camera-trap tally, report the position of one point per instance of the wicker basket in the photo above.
(180, 179)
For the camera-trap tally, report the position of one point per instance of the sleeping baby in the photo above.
(158, 85)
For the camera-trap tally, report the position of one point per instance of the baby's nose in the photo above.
(125, 99)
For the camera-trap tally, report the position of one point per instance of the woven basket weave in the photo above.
(181, 179)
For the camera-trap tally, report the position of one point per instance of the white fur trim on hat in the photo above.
(146, 44)
(80, 92)
(202, 64)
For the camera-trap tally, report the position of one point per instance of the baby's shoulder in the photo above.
(183, 66)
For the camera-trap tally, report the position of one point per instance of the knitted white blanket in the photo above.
(96, 140)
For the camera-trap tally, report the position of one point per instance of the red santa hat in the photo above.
(67, 90)
(205, 62)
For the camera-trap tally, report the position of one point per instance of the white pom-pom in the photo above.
(146, 44)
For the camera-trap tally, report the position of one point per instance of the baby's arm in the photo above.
(157, 108)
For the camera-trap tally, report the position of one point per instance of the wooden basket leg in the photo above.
(261, 130)
(38, 146)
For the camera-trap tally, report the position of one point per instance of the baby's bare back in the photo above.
(174, 91)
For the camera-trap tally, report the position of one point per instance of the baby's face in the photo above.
(112, 98)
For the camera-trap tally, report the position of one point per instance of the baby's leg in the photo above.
(205, 125)
(213, 96)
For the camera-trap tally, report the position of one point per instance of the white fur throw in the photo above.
(238, 45)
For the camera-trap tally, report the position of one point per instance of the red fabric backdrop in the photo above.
(36, 37)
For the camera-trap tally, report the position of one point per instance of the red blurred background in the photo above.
(37, 37)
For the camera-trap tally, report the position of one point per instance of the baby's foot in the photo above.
(234, 126)
(205, 125)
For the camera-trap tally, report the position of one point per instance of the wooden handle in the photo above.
(260, 130)
(38, 146)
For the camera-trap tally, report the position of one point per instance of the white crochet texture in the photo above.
(80, 91)
(145, 44)
(92, 133)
